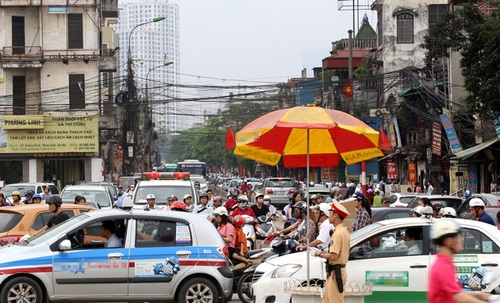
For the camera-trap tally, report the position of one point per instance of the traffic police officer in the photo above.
(337, 256)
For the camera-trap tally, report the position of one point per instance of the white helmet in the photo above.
(418, 211)
(150, 196)
(444, 228)
(448, 211)
(476, 202)
(325, 208)
(267, 197)
(221, 210)
(243, 198)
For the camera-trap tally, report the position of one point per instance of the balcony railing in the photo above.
(21, 52)
(356, 44)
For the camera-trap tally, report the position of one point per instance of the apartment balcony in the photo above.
(109, 62)
(364, 44)
(21, 56)
(109, 8)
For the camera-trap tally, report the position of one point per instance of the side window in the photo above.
(100, 234)
(41, 220)
(395, 243)
(156, 233)
(476, 242)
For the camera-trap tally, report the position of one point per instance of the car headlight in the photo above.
(285, 271)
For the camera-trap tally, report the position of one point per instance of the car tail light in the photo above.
(268, 191)
(292, 191)
(223, 252)
(9, 240)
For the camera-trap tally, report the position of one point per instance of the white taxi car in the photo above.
(396, 269)
(163, 256)
(163, 185)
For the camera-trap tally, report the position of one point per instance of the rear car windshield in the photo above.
(8, 221)
(8, 189)
(161, 193)
(100, 196)
(280, 183)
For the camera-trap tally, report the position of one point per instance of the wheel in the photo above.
(198, 290)
(21, 289)
(244, 291)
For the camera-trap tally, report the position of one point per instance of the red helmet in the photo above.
(178, 205)
(238, 221)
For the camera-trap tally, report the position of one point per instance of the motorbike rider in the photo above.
(228, 234)
(16, 198)
(300, 228)
(243, 208)
(259, 208)
(476, 206)
(54, 203)
(245, 187)
(267, 202)
(37, 199)
(187, 200)
(203, 209)
(178, 206)
(325, 228)
(231, 202)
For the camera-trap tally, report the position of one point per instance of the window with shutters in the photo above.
(19, 95)
(75, 31)
(405, 28)
(76, 91)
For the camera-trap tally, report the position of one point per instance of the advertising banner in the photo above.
(436, 138)
(43, 134)
(412, 172)
(450, 133)
(392, 170)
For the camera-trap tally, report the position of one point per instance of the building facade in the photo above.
(50, 57)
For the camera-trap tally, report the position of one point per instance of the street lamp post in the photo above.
(130, 121)
(149, 115)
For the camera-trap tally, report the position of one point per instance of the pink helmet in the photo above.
(370, 191)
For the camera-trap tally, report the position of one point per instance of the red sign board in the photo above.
(412, 172)
(436, 138)
(392, 170)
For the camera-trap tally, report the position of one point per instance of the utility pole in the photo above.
(351, 77)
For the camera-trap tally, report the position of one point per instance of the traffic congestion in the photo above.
(165, 238)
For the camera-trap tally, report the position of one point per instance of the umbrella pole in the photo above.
(307, 219)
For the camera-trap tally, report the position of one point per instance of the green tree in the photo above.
(476, 36)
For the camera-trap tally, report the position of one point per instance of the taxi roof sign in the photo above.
(166, 176)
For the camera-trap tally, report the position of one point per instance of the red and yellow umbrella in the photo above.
(332, 134)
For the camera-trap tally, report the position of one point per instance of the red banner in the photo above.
(392, 170)
(412, 172)
(436, 138)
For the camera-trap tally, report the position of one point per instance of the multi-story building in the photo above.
(50, 57)
(151, 46)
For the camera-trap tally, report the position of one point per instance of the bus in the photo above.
(194, 167)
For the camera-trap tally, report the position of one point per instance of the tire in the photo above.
(198, 290)
(21, 289)
(244, 284)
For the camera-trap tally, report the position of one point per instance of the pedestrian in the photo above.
(377, 199)
(394, 188)
(337, 255)
(443, 285)
(381, 184)
(386, 202)
(54, 203)
(363, 217)
(430, 188)
(418, 188)
(46, 193)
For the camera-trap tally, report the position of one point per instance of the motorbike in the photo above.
(249, 230)
(279, 246)
(255, 256)
(264, 227)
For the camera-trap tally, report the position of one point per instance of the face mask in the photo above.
(266, 202)
(242, 205)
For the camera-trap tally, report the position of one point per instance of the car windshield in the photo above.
(363, 231)
(8, 189)
(109, 186)
(161, 193)
(51, 232)
(8, 220)
(99, 196)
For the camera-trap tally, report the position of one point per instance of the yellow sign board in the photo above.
(44, 134)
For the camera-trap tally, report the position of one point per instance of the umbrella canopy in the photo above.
(332, 134)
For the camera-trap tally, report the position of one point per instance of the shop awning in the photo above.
(409, 91)
(464, 154)
(390, 156)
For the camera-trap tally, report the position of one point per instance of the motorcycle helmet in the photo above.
(444, 228)
(150, 196)
(476, 202)
(448, 212)
(238, 221)
(242, 202)
(259, 195)
(178, 206)
(417, 211)
(267, 199)
(370, 191)
(204, 195)
(16, 193)
(220, 211)
(300, 205)
(467, 193)
(56, 200)
(359, 196)
(37, 196)
(172, 198)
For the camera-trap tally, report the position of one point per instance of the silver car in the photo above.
(279, 189)
(154, 256)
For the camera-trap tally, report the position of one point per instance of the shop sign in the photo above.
(412, 172)
(49, 134)
(450, 133)
(392, 170)
(436, 138)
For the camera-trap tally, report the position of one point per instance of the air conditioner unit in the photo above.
(379, 112)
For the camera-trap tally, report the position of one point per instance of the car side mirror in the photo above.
(65, 245)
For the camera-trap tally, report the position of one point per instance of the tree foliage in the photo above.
(208, 143)
(476, 36)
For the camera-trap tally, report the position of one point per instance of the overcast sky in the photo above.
(258, 40)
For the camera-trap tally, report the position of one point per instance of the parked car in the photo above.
(401, 200)
(24, 187)
(488, 199)
(92, 193)
(279, 189)
(18, 221)
(445, 200)
(386, 213)
(159, 256)
(379, 255)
